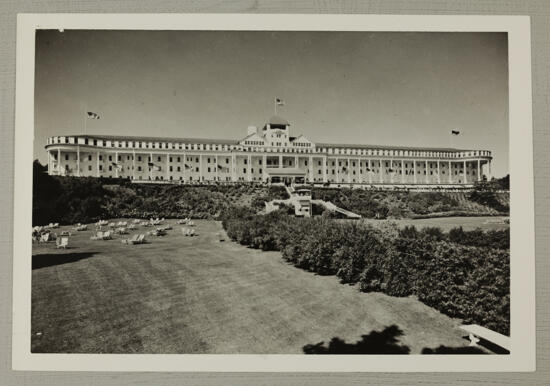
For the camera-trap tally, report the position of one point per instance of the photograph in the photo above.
(247, 191)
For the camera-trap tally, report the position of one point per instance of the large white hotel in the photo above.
(269, 154)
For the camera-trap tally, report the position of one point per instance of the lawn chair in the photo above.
(132, 240)
(107, 236)
(62, 242)
(140, 240)
(98, 236)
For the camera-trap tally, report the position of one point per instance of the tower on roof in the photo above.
(276, 131)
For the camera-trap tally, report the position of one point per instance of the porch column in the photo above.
(478, 170)
(264, 167)
(465, 171)
(369, 171)
(426, 165)
(233, 167)
(97, 164)
(349, 171)
(438, 175)
(116, 164)
(414, 171)
(295, 161)
(200, 167)
(58, 162)
(249, 168)
(402, 172)
(280, 160)
(380, 169)
(151, 167)
(133, 164)
(78, 161)
(310, 164)
(490, 174)
(325, 169)
(391, 171)
(450, 173)
(216, 166)
(184, 167)
(337, 171)
(167, 167)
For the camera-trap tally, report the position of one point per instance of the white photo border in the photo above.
(522, 356)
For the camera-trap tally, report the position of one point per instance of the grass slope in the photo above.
(199, 295)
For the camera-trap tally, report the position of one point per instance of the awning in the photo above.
(285, 172)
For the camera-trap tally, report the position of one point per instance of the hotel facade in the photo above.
(266, 155)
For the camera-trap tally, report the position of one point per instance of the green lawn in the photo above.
(199, 295)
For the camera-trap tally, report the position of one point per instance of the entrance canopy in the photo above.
(285, 172)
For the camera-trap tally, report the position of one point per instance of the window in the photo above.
(119, 158)
(179, 160)
(244, 170)
(197, 160)
(100, 167)
(197, 170)
(110, 168)
(158, 159)
(89, 157)
(89, 167)
(100, 157)
(110, 158)
(170, 168)
(139, 168)
(208, 169)
(227, 160)
(170, 159)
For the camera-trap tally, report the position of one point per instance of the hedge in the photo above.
(468, 282)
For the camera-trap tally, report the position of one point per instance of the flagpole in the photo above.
(275, 106)
(85, 119)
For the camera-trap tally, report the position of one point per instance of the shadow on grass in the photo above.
(453, 350)
(50, 259)
(377, 342)
(383, 342)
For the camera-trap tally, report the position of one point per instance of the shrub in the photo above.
(469, 282)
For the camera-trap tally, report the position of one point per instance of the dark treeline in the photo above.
(457, 273)
(70, 200)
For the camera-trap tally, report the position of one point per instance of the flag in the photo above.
(93, 115)
(455, 132)
(187, 166)
(279, 102)
(151, 164)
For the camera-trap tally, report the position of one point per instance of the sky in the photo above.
(377, 88)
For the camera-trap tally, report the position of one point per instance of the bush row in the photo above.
(468, 282)
(498, 239)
